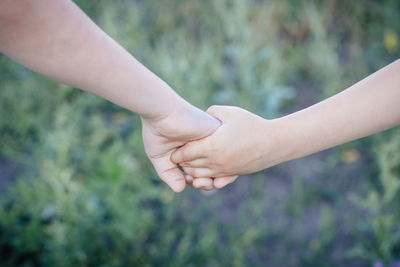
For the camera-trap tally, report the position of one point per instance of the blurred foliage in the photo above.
(381, 233)
(88, 196)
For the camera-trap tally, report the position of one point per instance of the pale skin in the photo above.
(247, 143)
(56, 39)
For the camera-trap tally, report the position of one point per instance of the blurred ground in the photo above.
(8, 173)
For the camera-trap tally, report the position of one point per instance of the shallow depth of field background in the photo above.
(77, 189)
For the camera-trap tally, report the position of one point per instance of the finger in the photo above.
(203, 183)
(209, 185)
(190, 151)
(219, 112)
(189, 180)
(197, 163)
(169, 173)
(221, 182)
(199, 172)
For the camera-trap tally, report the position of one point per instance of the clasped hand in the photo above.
(211, 148)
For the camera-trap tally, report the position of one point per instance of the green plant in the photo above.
(380, 234)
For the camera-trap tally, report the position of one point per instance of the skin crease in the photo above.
(247, 143)
(56, 39)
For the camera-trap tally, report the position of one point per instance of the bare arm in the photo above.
(370, 106)
(58, 40)
(55, 38)
(247, 143)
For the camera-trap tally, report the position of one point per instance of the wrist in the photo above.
(167, 104)
(280, 145)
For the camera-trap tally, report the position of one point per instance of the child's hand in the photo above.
(240, 145)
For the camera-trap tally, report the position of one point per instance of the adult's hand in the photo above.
(163, 136)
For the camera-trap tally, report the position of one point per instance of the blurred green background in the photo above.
(78, 190)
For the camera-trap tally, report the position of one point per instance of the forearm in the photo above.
(371, 105)
(55, 38)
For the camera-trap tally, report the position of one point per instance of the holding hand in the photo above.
(161, 137)
(243, 144)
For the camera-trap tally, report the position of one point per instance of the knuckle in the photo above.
(213, 153)
(235, 110)
(212, 108)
